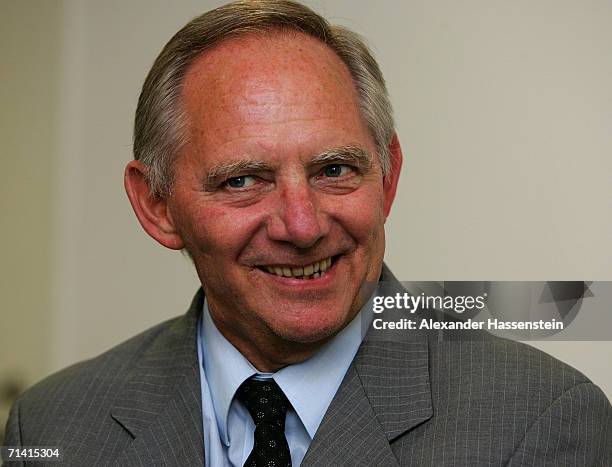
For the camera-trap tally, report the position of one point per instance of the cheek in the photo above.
(216, 232)
(361, 214)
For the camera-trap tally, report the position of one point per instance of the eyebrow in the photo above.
(345, 154)
(340, 155)
(222, 172)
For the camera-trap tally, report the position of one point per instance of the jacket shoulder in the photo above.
(506, 367)
(512, 399)
(87, 388)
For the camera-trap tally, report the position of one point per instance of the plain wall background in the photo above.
(504, 110)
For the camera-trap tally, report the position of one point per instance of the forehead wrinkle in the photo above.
(235, 68)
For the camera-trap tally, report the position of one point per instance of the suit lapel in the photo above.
(160, 406)
(385, 393)
(395, 377)
(394, 369)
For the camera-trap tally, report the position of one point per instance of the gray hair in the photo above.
(160, 124)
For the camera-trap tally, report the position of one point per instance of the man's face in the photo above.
(280, 177)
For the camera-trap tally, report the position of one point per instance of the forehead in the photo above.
(268, 79)
(278, 59)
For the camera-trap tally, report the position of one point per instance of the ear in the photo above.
(391, 179)
(152, 211)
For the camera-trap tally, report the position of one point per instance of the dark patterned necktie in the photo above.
(268, 406)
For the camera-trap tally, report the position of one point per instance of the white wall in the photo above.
(29, 75)
(504, 110)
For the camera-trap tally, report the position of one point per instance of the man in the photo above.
(264, 147)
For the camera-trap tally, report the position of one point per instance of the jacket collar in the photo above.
(160, 405)
(385, 393)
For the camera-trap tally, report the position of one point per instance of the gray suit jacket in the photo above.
(414, 399)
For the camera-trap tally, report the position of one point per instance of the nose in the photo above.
(298, 218)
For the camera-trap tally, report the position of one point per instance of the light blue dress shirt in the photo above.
(310, 387)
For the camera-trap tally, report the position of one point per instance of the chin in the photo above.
(307, 336)
(310, 329)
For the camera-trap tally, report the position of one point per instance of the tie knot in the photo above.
(265, 401)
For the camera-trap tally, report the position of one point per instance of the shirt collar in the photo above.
(310, 385)
(225, 369)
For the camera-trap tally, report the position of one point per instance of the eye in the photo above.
(337, 170)
(244, 181)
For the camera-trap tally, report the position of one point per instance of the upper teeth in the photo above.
(311, 271)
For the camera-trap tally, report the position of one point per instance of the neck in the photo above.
(269, 353)
(266, 351)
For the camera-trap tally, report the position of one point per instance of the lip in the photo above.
(292, 283)
(299, 264)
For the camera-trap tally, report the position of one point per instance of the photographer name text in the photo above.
(490, 324)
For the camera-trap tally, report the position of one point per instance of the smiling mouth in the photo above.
(310, 271)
